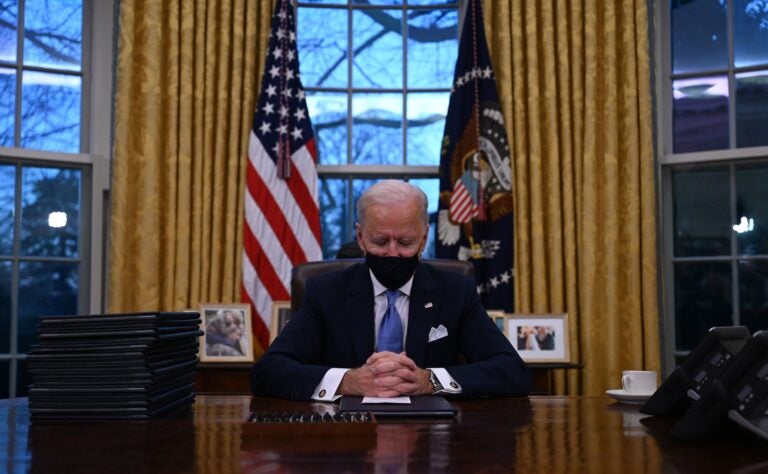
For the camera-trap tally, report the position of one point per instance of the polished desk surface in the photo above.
(540, 434)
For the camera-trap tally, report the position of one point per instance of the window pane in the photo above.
(7, 106)
(378, 48)
(700, 108)
(50, 112)
(7, 202)
(750, 32)
(322, 45)
(377, 129)
(703, 299)
(752, 209)
(753, 294)
(431, 188)
(699, 39)
(45, 288)
(328, 112)
(9, 12)
(426, 123)
(701, 201)
(5, 370)
(752, 108)
(53, 40)
(5, 307)
(50, 214)
(334, 209)
(22, 378)
(432, 47)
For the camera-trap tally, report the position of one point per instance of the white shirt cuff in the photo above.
(326, 389)
(450, 385)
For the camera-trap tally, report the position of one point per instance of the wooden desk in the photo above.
(540, 434)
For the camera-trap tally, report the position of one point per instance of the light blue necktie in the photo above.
(391, 329)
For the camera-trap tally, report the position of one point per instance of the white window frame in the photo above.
(99, 18)
(667, 161)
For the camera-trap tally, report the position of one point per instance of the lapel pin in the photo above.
(428, 305)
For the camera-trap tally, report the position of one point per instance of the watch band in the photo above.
(436, 385)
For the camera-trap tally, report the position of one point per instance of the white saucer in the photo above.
(630, 398)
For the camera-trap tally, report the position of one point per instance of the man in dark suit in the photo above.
(392, 326)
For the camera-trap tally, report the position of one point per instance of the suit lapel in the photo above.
(359, 312)
(422, 310)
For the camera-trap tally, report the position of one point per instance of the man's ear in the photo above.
(359, 236)
(424, 242)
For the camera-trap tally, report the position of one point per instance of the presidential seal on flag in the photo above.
(481, 174)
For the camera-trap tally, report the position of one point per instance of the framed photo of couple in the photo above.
(227, 334)
(541, 338)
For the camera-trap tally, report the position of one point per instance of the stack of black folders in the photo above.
(117, 366)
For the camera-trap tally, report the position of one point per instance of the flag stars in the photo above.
(505, 277)
(280, 33)
(265, 128)
(296, 133)
(269, 108)
(274, 71)
(300, 115)
(282, 129)
(291, 55)
(287, 93)
(277, 53)
(283, 111)
(271, 90)
(494, 282)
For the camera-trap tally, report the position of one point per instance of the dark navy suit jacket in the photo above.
(334, 327)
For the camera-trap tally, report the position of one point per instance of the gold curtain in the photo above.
(186, 84)
(574, 83)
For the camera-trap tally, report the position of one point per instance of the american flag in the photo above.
(282, 222)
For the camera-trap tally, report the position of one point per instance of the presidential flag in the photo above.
(475, 209)
(282, 223)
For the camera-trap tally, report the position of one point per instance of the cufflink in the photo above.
(322, 393)
(454, 385)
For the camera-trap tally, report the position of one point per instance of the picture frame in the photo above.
(498, 316)
(281, 314)
(539, 338)
(227, 333)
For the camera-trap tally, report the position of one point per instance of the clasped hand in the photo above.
(386, 374)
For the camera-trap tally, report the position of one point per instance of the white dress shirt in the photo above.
(326, 389)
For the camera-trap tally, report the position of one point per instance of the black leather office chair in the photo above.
(301, 273)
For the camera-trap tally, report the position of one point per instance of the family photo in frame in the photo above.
(539, 337)
(226, 333)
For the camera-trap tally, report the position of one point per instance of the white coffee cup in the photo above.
(638, 382)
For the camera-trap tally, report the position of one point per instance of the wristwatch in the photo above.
(436, 385)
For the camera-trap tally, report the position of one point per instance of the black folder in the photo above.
(422, 406)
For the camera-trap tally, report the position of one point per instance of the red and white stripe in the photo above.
(282, 228)
(462, 208)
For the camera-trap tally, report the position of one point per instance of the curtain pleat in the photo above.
(185, 91)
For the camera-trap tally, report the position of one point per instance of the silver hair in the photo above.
(390, 191)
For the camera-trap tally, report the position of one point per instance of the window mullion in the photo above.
(19, 72)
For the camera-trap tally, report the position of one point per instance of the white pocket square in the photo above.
(437, 333)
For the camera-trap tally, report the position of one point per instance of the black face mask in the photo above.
(392, 272)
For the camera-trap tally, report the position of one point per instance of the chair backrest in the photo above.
(301, 273)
